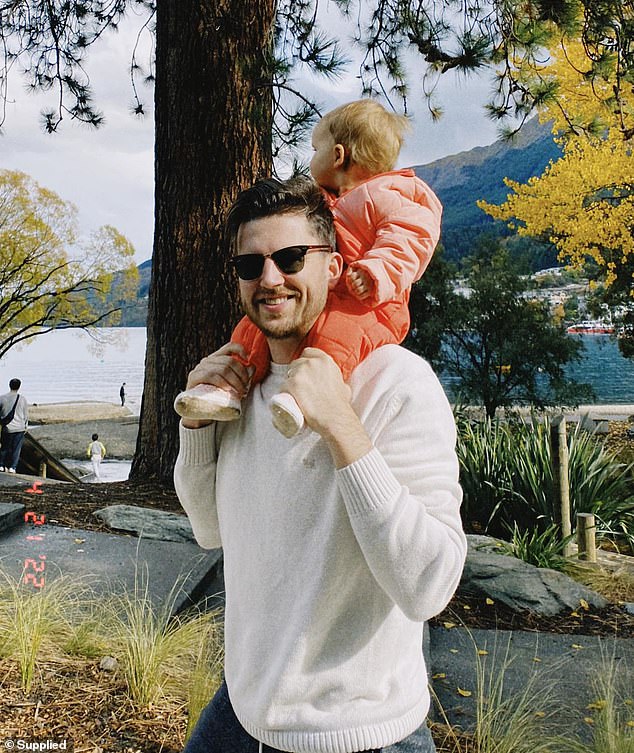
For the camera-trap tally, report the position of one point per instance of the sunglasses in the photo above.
(289, 261)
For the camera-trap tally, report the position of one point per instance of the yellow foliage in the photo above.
(583, 203)
(583, 97)
(50, 277)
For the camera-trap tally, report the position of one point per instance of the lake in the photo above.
(68, 365)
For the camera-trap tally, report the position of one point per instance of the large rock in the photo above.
(11, 515)
(519, 585)
(147, 523)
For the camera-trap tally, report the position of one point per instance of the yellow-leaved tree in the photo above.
(583, 202)
(49, 277)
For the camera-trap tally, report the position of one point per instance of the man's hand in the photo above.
(315, 381)
(360, 283)
(222, 370)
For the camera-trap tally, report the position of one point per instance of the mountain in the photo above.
(461, 179)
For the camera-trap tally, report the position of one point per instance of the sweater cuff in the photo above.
(197, 446)
(367, 484)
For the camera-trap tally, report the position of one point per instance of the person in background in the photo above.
(122, 394)
(13, 430)
(338, 545)
(96, 452)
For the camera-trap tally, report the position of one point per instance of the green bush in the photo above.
(507, 479)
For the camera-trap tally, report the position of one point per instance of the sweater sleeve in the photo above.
(407, 227)
(403, 500)
(195, 483)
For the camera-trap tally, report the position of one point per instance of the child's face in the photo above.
(324, 166)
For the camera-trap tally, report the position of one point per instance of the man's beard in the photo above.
(297, 326)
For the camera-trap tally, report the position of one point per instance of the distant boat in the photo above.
(591, 327)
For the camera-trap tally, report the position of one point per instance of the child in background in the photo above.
(387, 223)
(96, 452)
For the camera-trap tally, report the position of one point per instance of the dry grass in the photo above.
(617, 585)
(72, 699)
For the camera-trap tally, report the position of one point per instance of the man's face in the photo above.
(285, 306)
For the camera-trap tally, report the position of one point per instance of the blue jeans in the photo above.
(219, 731)
(11, 448)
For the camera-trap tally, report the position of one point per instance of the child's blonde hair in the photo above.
(371, 136)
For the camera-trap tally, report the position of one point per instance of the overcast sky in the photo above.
(108, 172)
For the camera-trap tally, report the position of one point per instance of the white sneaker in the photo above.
(288, 419)
(206, 402)
(2, 469)
(11, 470)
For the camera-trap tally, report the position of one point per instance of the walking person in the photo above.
(340, 543)
(122, 394)
(14, 417)
(96, 452)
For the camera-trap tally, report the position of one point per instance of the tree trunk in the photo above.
(213, 138)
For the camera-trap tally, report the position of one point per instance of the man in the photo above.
(122, 394)
(338, 543)
(14, 431)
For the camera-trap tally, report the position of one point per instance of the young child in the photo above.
(387, 223)
(96, 452)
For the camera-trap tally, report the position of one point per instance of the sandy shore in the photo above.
(55, 413)
(65, 429)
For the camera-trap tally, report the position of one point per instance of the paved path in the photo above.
(559, 672)
(106, 562)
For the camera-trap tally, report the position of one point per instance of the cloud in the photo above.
(108, 173)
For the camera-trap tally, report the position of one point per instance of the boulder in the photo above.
(11, 515)
(519, 585)
(147, 523)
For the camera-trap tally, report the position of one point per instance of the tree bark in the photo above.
(213, 139)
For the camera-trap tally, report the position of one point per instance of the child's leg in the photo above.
(348, 331)
(255, 344)
(206, 402)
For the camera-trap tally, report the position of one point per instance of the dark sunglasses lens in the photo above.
(248, 266)
(290, 260)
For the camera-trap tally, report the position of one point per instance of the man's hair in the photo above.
(371, 135)
(15, 384)
(95, 437)
(268, 197)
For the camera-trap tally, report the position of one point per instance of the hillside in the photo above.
(461, 179)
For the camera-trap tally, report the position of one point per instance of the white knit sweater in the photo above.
(330, 574)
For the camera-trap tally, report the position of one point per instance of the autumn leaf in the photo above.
(439, 676)
(464, 693)
(596, 705)
(449, 625)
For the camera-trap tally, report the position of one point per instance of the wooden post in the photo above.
(43, 470)
(586, 539)
(559, 455)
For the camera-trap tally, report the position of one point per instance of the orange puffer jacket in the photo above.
(388, 226)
